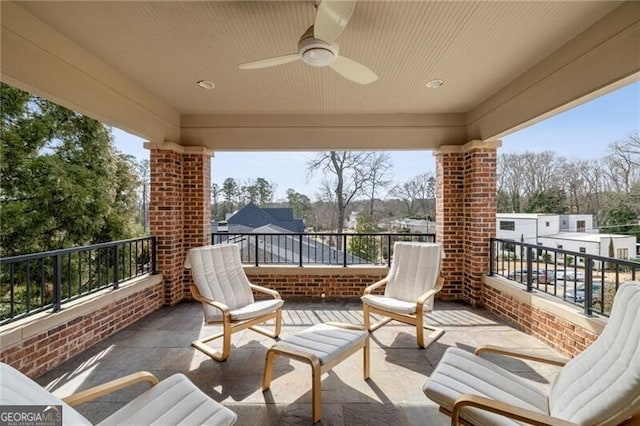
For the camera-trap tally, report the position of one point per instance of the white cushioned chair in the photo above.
(409, 288)
(175, 400)
(226, 294)
(600, 386)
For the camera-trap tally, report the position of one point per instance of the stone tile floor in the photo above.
(160, 343)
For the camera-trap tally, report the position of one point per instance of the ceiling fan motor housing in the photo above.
(315, 52)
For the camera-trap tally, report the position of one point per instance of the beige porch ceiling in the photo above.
(135, 65)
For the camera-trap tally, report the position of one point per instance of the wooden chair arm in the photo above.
(430, 293)
(265, 290)
(376, 285)
(503, 409)
(517, 353)
(109, 387)
(218, 305)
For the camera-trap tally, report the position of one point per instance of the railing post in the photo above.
(389, 250)
(57, 285)
(256, 245)
(529, 271)
(588, 286)
(154, 259)
(492, 256)
(116, 267)
(344, 250)
(300, 249)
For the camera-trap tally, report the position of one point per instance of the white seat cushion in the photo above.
(258, 308)
(173, 401)
(18, 389)
(462, 372)
(325, 341)
(389, 304)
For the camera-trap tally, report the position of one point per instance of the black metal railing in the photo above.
(36, 282)
(316, 248)
(587, 280)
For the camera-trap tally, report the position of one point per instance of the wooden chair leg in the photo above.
(316, 404)
(268, 370)
(367, 359)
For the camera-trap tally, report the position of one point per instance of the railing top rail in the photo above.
(32, 256)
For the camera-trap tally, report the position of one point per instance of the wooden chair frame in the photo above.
(317, 369)
(416, 319)
(508, 410)
(229, 327)
(110, 387)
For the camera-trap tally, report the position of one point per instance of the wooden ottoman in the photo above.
(322, 346)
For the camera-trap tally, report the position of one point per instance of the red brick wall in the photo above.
(166, 218)
(450, 220)
(465, 217)
(38, 354)
(340, 285)
(562, 335)
(180, 213)
(479, 218)
(197, 206)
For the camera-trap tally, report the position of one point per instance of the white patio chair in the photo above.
(226, 294)
(601, 386)
(175, 400)
(410, 286)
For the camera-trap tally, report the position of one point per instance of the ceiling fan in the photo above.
(317, 46)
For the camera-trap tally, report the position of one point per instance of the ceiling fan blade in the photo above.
(270, 62)
(331, 18)
(354, 71)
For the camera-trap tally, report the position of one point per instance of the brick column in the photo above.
(179, 211)
(466, 215)
(197, 204)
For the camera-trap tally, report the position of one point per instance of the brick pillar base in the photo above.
(179, 211)
(466, 215)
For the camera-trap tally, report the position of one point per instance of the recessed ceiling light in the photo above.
(434, 84)
(206, 84)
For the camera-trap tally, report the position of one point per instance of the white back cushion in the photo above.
(18, 389)
(218, 273)
(601, 386)
(414, 271)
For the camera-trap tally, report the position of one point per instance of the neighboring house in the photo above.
(591, 243)
(567, 232)
(251, 217)
(284, 246)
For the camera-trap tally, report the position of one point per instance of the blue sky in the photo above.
(583, 132)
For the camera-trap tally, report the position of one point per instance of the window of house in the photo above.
(581, 226)
(623, 253)
(583, 250)
(507, 225)
(546, 224)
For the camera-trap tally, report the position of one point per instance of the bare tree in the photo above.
(346, 174)
(415, 194)
(624, 163)
(379, 172)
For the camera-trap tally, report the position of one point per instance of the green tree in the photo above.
(230, 192)
(551, 200)
(300, 204)
(265, 191)
(365, 247)
(62, 182)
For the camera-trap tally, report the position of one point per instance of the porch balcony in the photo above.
(393, 394)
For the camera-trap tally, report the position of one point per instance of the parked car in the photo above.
(577, 296)
(564, 275)
(539, 276)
